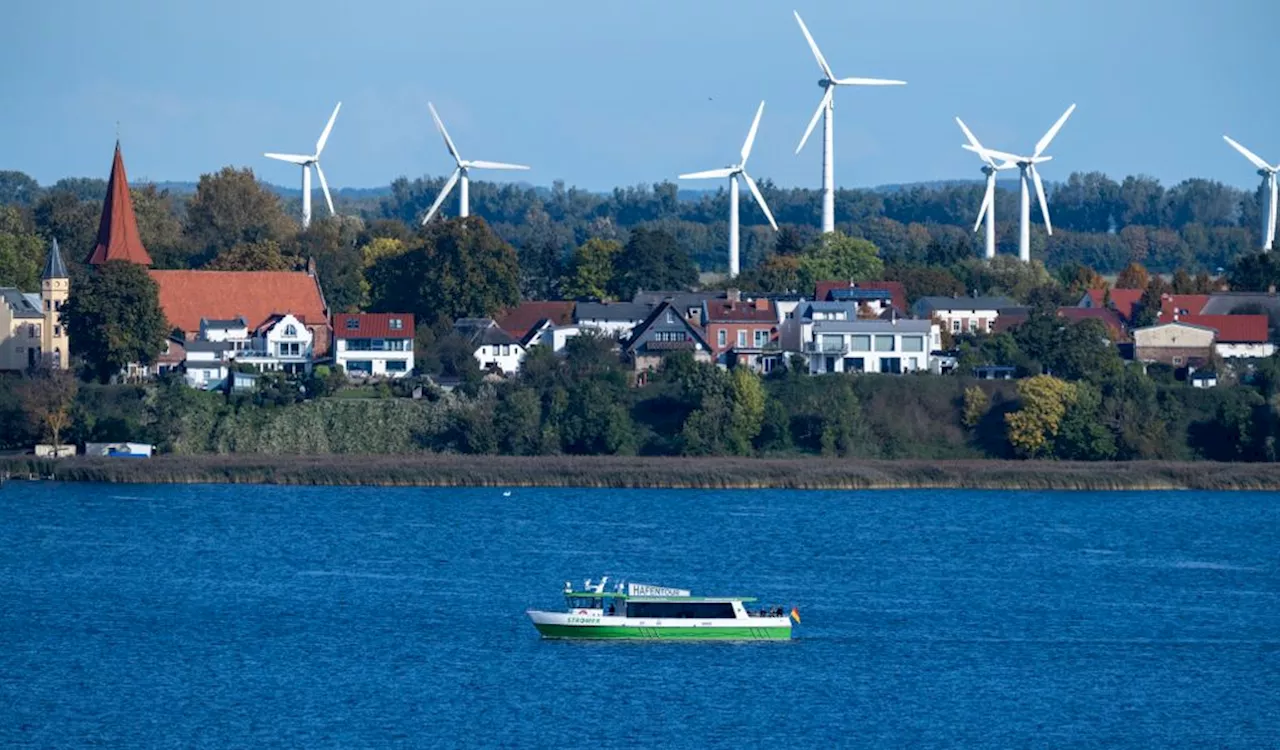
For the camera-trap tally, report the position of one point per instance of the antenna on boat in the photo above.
(600, 586)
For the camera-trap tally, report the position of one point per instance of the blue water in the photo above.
(214, 616)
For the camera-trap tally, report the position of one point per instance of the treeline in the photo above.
(1098, 222)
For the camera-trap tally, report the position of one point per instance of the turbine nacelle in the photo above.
(461, 172)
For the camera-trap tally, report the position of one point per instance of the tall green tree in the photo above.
(159, 227)
(72, 222)
(18, 189)
(252, 256)
(114, 318)
(652, 259)
(331, 242)
(231, 207)
(837, 256)
(591, 269)
(21, 251)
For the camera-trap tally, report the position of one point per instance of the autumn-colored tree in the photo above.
(252, 256)
(47, 397)
(1033, 427)
(976, 403)
(778, 273)
(1134, 276)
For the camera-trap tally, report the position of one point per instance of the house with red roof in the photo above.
(1177, 306)
(1244, 336)
(373, 344)
(876, 295)
(742, 332)
(1123, 301)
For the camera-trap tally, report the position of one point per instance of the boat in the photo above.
(643, 611)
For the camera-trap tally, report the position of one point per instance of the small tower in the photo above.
(55, 286)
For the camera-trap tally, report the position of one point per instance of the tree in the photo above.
(1134, 276)
(252, 256)
(72, 222)
(1148, 308)
(159, 227)
(976, 403)
(1034, 426)
(331, 242)
(518, 421)
(1256, 272)
(747, 415)
(1183, 283)
(837, 256)
(21, 251)
(652, 259)
(231, 207)
(47, 397)
(456, 268)
(590, 269)
(114, 318)
(778, 273)
(18, 189)
(925, 281)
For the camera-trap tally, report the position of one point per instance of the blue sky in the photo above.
(603, 93)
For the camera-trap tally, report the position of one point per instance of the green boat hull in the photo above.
(588, 632)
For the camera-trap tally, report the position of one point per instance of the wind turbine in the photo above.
(732, 173)
(306, 162)
(826, 109)
(988, 210)
(1268, 174)
(460, 173)
(1027, 165)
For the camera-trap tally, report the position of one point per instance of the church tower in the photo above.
(118, 237)
(55, 286)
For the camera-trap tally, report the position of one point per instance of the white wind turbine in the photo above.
(1027, 165)
(460, 173)
(826, 109)
(988, 210)
(1268, 174)
(732, 173)
(306, 162)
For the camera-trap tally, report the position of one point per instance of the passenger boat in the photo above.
(636, 610)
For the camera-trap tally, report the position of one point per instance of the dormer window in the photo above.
(291, 330)
(353, 324)
(397, 324)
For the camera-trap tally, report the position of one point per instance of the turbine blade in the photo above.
(996, 154)
(708, 174)
(324, 186)
(1257, 160)
(1044, 203)
(822, 105)
(1053, 131)
(987, 200)
(444, 193)
(817, 53)
(325, 135)
(291, 158)
(755, 191)
(751, 135)
(1275, 195)
(968, 134)
(869, 82)
(494, 165)
(448, 142)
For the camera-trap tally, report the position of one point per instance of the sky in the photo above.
(602, 93)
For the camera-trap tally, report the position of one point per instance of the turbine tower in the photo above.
(732, 173)
(1268, 174)
(460, 173)
(1027, 166)
(306, 162)
(988, 210)
(826, 109)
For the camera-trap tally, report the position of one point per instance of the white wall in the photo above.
(985, 319)
(506, 356)
(613, 328)
(1245, 350)
(377, 360)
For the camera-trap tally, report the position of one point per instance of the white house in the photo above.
(281, 342)
(612, 319)
(887, 346)
(207, 363)
(550, 335)
(799, 329)
(964, 314)
(493, 348)
(374, 344)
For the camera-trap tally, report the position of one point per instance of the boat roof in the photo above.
(620, 595)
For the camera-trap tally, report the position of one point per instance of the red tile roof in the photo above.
(372, 326)
(1110, 318)
(188, 296)
(520, 319)
(1232, 329)
(895, 288)
(118, 237)
(1181, 305)
(726, 311)
(1122, 299)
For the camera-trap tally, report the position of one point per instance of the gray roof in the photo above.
(54, 268)
(1226, 303)
(680, 300)
(23, 305)
(237, 322)
(964, 303)
(207, 346)
(483, 331)
(808, 308)
(619, 311)
(872, 326)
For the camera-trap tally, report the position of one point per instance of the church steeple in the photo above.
(118, 237)
(53, 265)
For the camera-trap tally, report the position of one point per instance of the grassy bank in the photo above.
(709, 473)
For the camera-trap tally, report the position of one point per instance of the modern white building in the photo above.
(965, 314)
(554, 336)
(884, 346)
(374, 344)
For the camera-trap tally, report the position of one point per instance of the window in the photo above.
(48, 305)
(1177, 360)
(884, 343)
(397, 365)
(692, 313)
(671, 318)
(791, 315)
(766, 365)
(742, 339)
(680, 610)
(861, 343)
(506, 350)
(360, 365)
(832, 343)
(955, 325)
(891, 365)
(33, 331)
(396, 324)
(762, 338)
(722, 337)
(855, 364)
(290, 349)
(57, 331)
(671, 336)
(353, 324)
(912, 343)
(991, 324)
(973, 325)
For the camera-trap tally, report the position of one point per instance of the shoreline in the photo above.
(614, 472)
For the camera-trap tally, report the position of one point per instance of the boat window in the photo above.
(583, 602)
(678, 610)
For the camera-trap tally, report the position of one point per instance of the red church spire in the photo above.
(118, 237)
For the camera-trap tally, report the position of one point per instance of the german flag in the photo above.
(795, 615)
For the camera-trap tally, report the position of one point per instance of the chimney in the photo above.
(1271, 290)
(311, 266)
(762, 303)
(733, 295)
